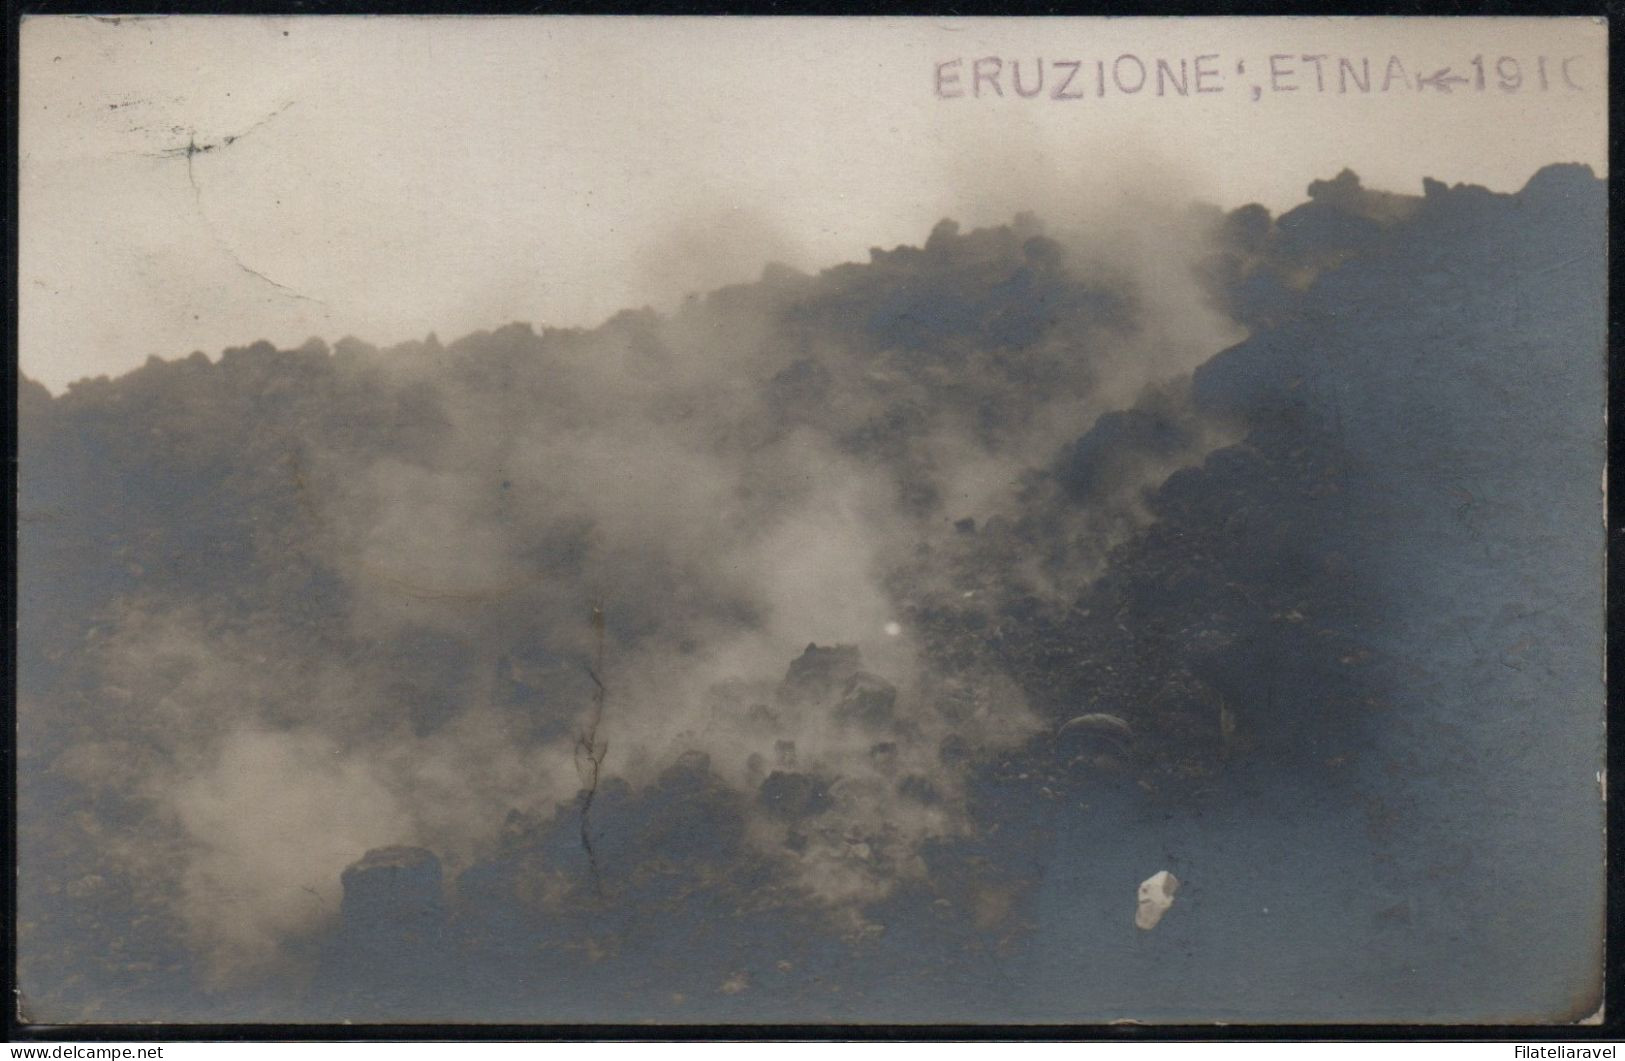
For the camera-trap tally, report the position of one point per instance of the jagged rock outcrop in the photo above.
(817, 673)
(1357, 629)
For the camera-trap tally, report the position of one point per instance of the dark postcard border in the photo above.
(1612, 1026)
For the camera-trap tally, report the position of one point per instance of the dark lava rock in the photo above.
(868, 700)
(389, 955)
(818, 672)
(793, 796)
(918, 788)
(396, 887)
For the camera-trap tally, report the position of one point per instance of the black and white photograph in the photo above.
(826, 521)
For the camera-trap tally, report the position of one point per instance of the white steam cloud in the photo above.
(731, 483)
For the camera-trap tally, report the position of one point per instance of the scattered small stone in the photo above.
(1156, 896)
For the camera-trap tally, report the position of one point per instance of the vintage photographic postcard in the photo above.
(704, 520)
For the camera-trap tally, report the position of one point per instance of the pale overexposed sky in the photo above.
(198, 182)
